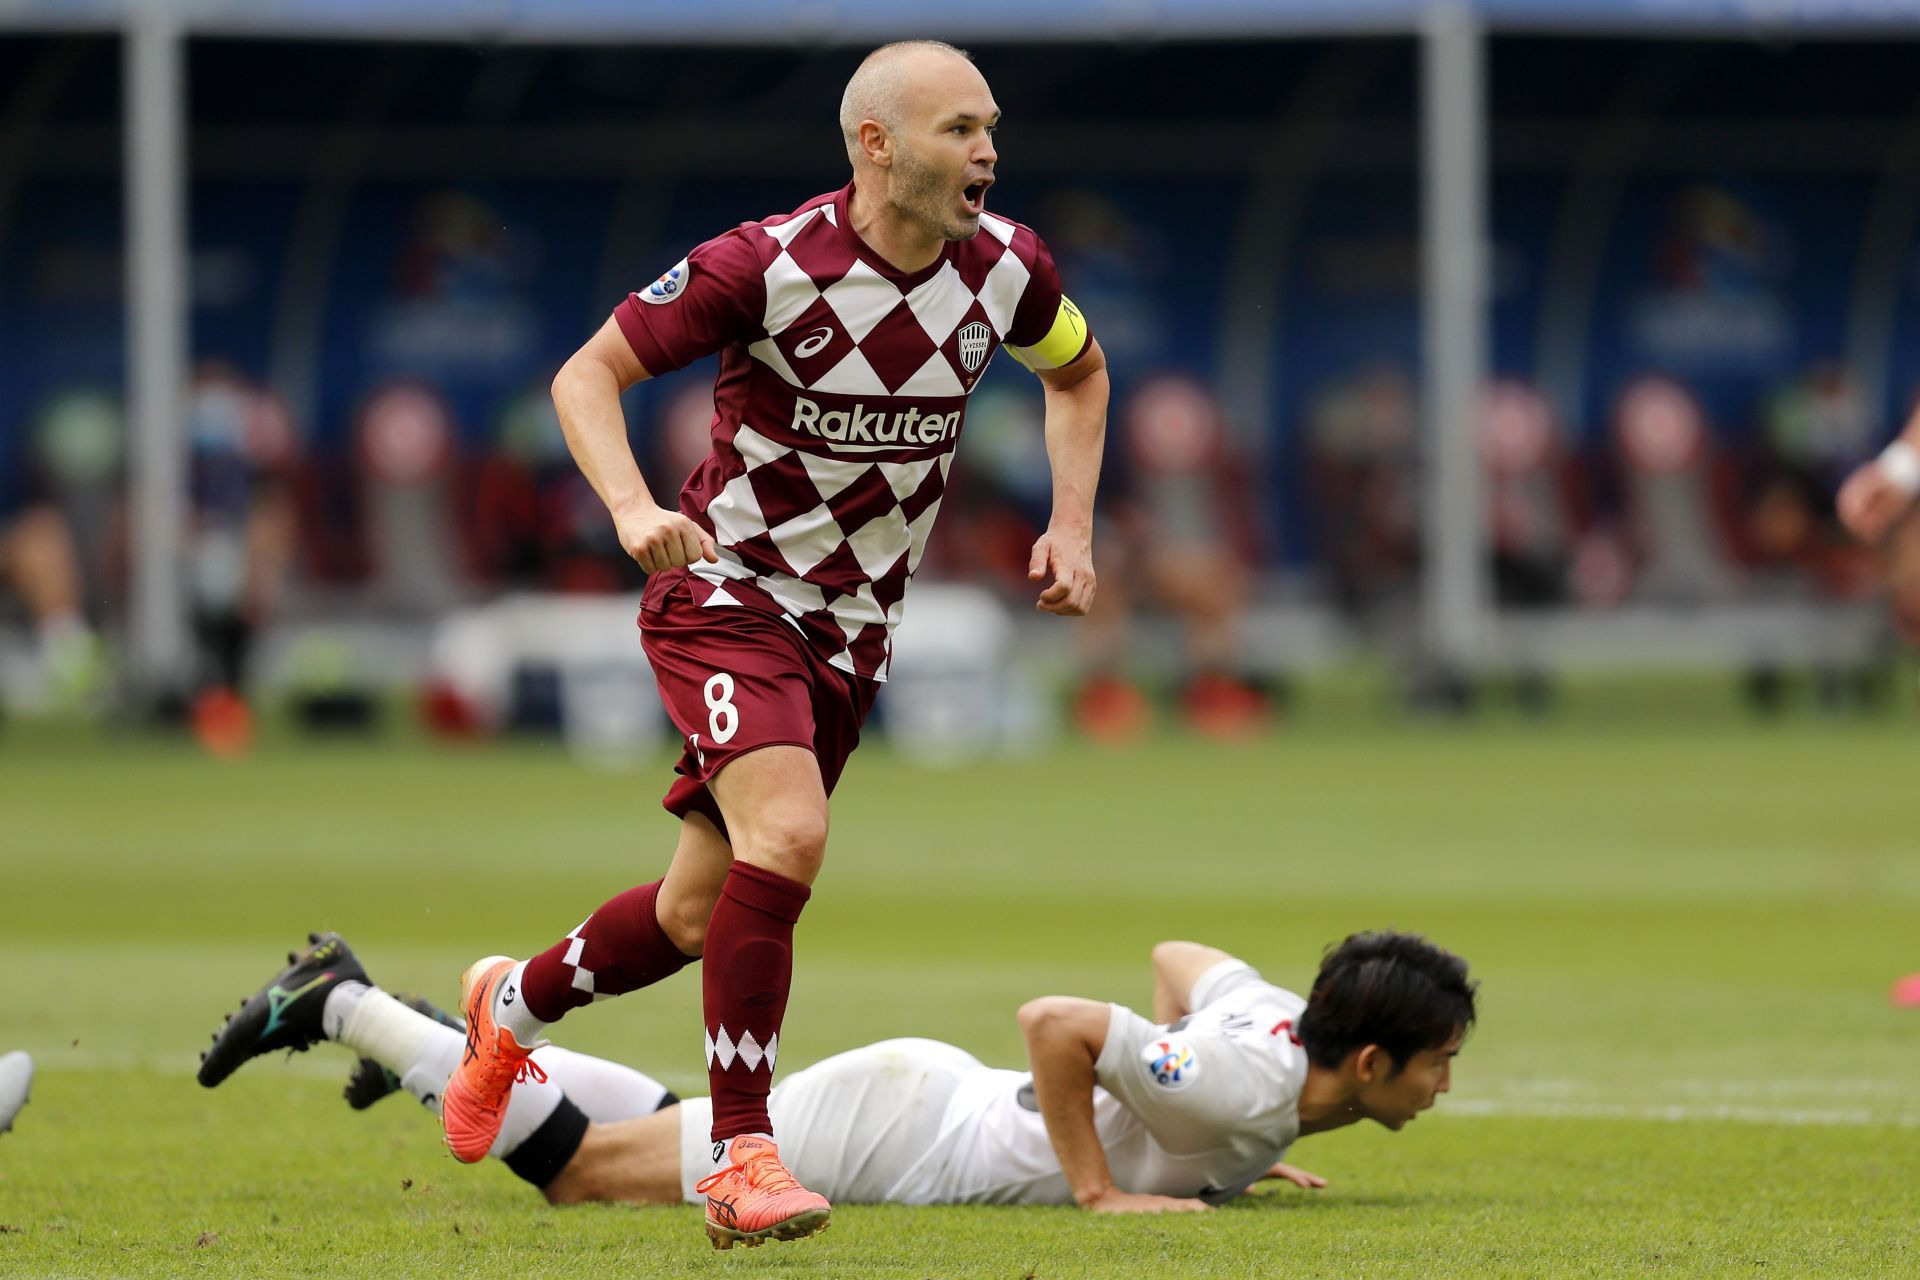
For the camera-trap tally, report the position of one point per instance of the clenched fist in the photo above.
(658, 538)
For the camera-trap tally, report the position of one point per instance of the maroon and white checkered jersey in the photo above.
(843, 384)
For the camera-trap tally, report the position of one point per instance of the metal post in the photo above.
(157, 321)
(1454, 599)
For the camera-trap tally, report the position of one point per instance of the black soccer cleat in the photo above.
(284, 1014)
(369, 1081)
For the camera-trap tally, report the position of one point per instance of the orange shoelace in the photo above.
(499, 1060)
(763, 1172)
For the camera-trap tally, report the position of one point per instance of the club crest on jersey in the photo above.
(974, 339)
(1172, 1063)
(669, 286)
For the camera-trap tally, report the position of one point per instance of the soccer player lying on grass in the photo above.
(1118, 1113)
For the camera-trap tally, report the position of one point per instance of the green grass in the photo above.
(1686, 1064)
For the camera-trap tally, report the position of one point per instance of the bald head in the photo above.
(883, 88)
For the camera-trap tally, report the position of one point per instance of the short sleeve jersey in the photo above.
(1198, 1108)
(842, 388)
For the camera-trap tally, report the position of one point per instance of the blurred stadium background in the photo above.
(1483, 376)
(1487, 343)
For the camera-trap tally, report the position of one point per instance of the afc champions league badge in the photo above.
(1171, 1063)
(669, 286)
(974, 339)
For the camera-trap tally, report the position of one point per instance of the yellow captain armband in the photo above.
(1063, 344)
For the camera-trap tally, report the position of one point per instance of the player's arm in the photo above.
(1076, 398)
(1177, 966)
(1878, 493)
(586, 395)
(1064, 1037)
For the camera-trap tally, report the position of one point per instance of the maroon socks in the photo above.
(620, 948)
(746, 976)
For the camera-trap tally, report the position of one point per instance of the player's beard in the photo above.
(923, 193)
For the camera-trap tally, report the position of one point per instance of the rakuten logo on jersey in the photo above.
(858, 427)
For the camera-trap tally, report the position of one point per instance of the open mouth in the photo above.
(975, 196)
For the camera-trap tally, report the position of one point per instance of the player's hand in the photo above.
(1870, 502)
(1069, 562)
(1114, 1200)
(661, 539)
(1298, 1177)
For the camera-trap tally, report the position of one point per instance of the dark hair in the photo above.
(1396, 990)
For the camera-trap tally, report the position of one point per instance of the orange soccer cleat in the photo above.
(753, 1199)
(475, 1101)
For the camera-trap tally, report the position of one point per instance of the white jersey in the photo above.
(1202, 1107)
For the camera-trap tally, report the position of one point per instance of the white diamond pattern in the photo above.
(941, 303)
(830, 475)
(853, 376)
(750, 1051)
(790, 291)
(722, 1049)
(862, 299)
(808, 538)
(736, 513)
(1000, 291)
(769, 355)
(934, 378)
(880, 542)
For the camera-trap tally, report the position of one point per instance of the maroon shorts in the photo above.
(735, 679)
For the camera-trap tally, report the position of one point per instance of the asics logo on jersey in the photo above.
(278, 998)
(814, 342)
(860, 427)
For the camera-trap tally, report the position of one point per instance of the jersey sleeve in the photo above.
(1191, 1091)
(709, 300)
(1223, 979)
(1048, 331)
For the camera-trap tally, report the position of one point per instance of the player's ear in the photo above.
(1369, 1063)
(876, 144)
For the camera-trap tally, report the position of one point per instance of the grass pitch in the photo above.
(1687, 1064)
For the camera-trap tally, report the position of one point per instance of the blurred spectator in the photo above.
(1673, 495)
(1815, 429)
(1536, 498)
(533, 519)
(241, 523)
(408, 525)
(998, 502)
(1363, 457)
(38, 563)
(60, 517)
(1182, 543)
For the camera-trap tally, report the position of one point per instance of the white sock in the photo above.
(527, 1107)
(510, 1008)
(606, 1091)
(423, 1054)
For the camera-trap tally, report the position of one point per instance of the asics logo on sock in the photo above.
(506, 997)
(719, 1152)
(279, 998)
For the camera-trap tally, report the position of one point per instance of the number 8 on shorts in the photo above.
(723, 718)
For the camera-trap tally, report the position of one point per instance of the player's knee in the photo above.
(792, 843)
(683, 918)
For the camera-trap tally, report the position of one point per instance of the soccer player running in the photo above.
(851, 332)
(1117, 1113)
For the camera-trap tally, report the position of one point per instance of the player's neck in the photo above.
(905, 244)
(1327, 1101)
